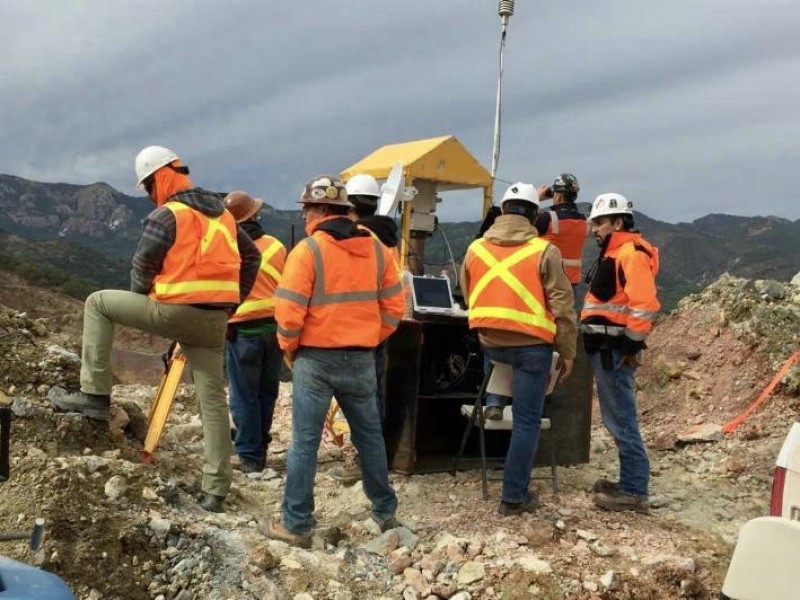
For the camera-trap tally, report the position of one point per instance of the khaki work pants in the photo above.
(201, 334)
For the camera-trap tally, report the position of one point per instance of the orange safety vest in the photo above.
(260, 303)
(202, 265)
(408, 293)
(506, 290)
(338, 294)
(622, 296)
(568, 235)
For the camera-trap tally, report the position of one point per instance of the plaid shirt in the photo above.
(158, 237)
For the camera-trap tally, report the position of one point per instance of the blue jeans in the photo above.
(531, 366)
(493, 399)
(349, 375)
(380, 376)
(617, 396)
(254, 366)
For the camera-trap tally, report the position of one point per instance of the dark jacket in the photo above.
(158, 237)
(383, 227)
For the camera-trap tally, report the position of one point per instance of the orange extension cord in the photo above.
(731, 426)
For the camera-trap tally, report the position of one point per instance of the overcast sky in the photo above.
(687, 107)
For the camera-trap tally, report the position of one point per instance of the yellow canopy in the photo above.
(442, 159)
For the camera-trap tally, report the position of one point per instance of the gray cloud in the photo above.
(688, 107)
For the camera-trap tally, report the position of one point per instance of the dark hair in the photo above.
(570, 196)
(365, 206)
(627, 222)
(520, 207)
(336, 209)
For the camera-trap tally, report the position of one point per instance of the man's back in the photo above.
(339, 289)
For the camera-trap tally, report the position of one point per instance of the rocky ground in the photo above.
(118, 528)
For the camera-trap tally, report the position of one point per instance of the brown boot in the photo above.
(622, 501)
(349, 473)
(276, 530)
(604, 486)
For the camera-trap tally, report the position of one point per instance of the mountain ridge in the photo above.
(63, 226)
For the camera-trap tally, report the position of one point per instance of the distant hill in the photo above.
(82, 238)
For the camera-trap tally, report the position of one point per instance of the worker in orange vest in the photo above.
(192, 267)
(565, 227)
(363, 193)
(254, 356)
(616, 319)
(520, 302)
(339, 298)
(563, 224)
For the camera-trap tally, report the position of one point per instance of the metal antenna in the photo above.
(505, 9)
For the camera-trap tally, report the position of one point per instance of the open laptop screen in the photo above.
(432, 292)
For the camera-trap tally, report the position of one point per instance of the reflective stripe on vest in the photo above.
(261, 302)
(203, 269)
(569, 242)
(536, 315)
(318, 295)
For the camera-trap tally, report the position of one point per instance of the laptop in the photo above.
(432, 295)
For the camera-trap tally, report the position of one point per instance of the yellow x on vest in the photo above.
(500, 269)
(266, 257)
(215, 226)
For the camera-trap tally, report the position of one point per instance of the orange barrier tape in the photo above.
(731, 426)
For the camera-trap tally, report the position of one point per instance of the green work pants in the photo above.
(201, 334)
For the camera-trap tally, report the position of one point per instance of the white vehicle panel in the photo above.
(789, 459)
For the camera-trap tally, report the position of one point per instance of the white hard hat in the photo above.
(363, 185)
(522, 191)
(610, 204)
(150, 160)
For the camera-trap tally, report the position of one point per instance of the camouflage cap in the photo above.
(566, 182)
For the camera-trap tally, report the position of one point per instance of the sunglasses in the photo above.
(149, 183)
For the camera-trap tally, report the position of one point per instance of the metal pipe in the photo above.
(35, 536)
(5, 440)
(505, 10)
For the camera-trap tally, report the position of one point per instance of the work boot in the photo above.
(510, 509)
(604, 486)
(276, 530)
(622, 501)
(94, 406)
(493, 413)
(246, 466)
(387, 524)
(347, 474)
(212, 503)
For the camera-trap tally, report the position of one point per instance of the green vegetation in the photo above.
(57, 264)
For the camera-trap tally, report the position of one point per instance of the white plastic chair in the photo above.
(498, 380)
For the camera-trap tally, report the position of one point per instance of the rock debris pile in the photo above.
(119, 528)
